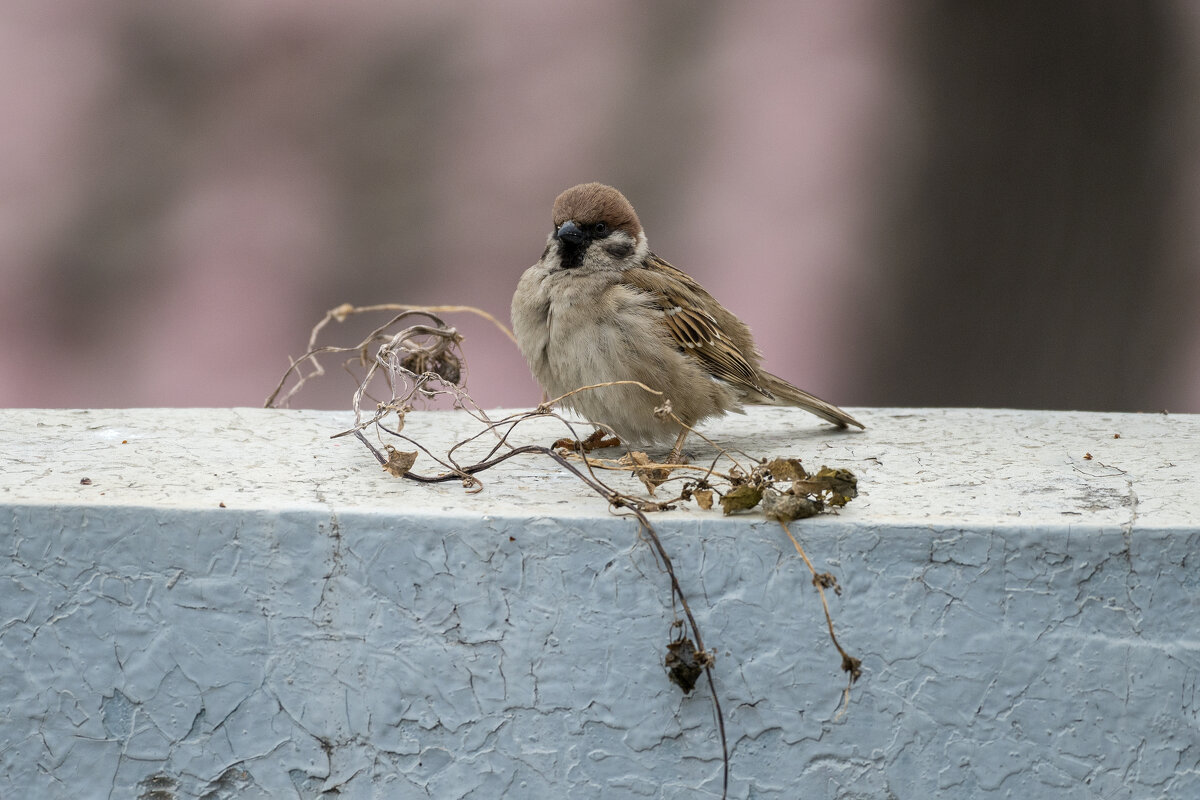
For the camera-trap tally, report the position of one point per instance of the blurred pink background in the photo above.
(908, 203)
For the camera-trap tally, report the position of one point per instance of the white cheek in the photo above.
(641, 248)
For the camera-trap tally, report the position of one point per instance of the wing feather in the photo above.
(697, 332)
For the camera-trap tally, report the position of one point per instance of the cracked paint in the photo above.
(1024, 619)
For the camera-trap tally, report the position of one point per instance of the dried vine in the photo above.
(423, 360)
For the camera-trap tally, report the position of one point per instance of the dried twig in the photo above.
(823, 580)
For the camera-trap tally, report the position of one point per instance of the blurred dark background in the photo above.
(928, 203)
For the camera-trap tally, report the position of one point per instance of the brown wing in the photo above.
(697, 332)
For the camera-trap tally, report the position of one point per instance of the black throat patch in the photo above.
(570, 255)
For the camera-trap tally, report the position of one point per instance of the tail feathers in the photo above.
(787, 395)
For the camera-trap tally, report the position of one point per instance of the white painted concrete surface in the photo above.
(1027, 618)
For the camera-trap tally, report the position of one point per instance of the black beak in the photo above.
(569, 232)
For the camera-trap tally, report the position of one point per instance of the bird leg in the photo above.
(677, 451)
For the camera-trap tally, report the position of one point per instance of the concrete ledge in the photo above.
(1026, 616)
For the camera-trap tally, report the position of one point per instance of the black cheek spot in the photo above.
(619, 249)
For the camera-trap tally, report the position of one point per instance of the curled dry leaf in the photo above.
(399, 462)
(741, 498)
(685, 663)
(832, 487)
(650, 473)
(787, 507)
(443, 363)
(703, 498)
(786, 469)
(826, 580)
(736, 476)
(841, 484)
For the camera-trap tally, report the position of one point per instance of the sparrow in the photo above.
(600, 306)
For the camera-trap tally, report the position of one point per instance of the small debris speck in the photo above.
(85, 481)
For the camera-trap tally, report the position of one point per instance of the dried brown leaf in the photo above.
(852, 665)
(703, 498)
(685, 663)
(827, 580)
(840, 483)
(399, 462)
(736, 476)
(444, 363)
(786, 469)
(836, 487)
(650, 473)
(787, 507)
(741, 498)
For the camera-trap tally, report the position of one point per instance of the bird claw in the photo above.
(597, 441)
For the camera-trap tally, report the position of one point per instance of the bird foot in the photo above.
(597, 441)
(685, 457)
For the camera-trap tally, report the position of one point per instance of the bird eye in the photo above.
(599, 229)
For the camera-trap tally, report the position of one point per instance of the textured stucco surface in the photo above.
(1027, 618)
